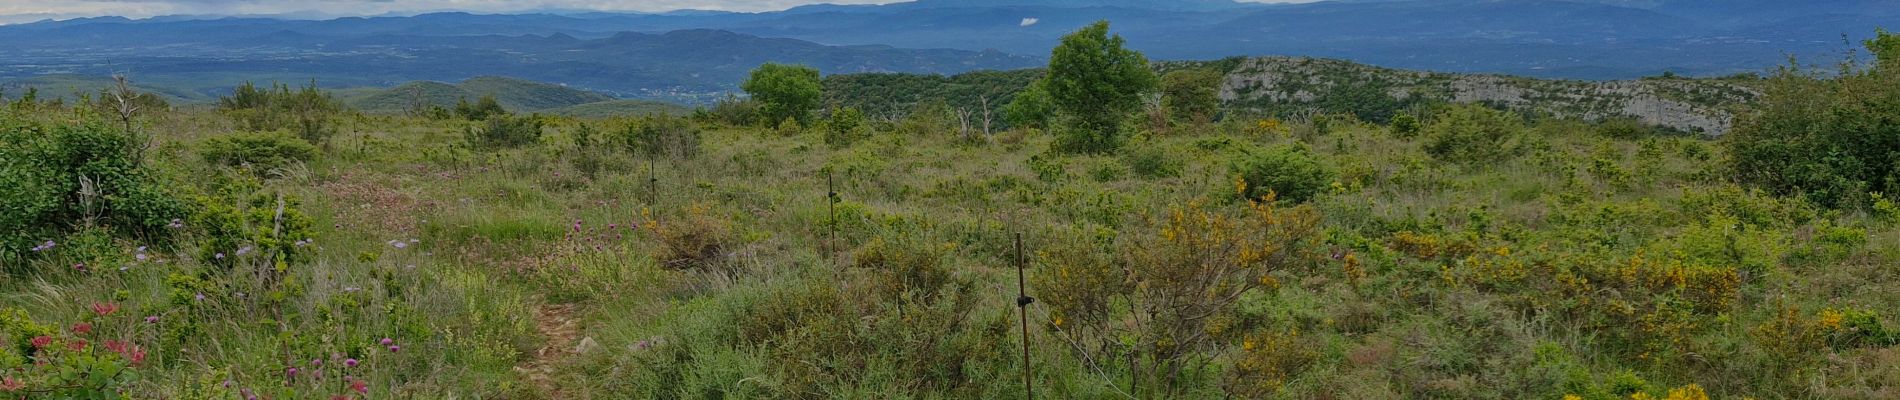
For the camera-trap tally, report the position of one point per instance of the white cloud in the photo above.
(1029, 21)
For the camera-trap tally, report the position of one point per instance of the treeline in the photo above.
(894, 95)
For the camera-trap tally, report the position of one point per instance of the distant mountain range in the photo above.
(695, 55)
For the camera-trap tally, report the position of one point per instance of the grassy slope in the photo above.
(500, 235)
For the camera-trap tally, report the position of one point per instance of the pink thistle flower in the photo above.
(387, 341)
(42, 341)
(350, 362)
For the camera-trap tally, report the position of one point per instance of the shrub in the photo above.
(1152, 161)
(1472, 133)
(660, 135)
(697, 239)
(264, 150)
(76, 362)
(1405, 126)
(731, 110)
(1191, 95)
(845, 126)
(1289, 173)
(58, 177)
(505, 131)
(306, 112)
(1624, 128)
(1177, 281)
(481, 110)
(928, 117)
(1831, 140)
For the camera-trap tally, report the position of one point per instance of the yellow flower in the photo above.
(1830, 319)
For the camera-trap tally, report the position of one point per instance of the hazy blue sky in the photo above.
(13, 11)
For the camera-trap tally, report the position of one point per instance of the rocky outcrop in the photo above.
(1704, 106)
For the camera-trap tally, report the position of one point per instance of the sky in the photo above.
(16, 11)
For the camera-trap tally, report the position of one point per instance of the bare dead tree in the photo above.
(963, 123)
(123, 98)
(987, 117)
(125, 103)
(416, 106)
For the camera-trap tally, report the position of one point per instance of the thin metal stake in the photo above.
(831, 201)
(1022, 306)
(653, 184)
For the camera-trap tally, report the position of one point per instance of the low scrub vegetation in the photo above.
(1468, 253)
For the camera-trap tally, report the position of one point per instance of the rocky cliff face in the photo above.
(1704, 106)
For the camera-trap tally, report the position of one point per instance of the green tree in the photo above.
(1096, 83)
(1031, 108)
(1191, 94)
(785, 91)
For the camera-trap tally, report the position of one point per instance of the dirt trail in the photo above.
(560, 325)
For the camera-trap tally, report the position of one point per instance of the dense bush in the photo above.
(845, 126)
(1471, 133)
(1134, 299)
(262, 150)
(1830, 139)
(56, 177)
(480, 110)
(1405, 126)
(1287, 173)
(307, 112)
(1191, 95)
(659, 135)
(1031, 109)
(505, 131)
(731, 110)
(1153, 161)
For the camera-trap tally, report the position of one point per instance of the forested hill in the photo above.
(1289, 86)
